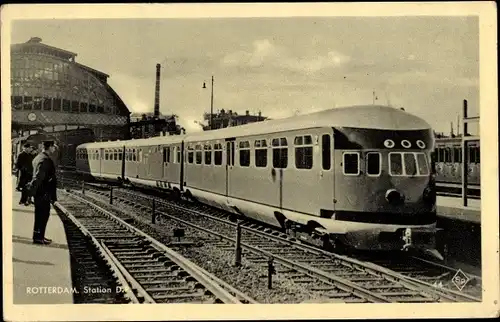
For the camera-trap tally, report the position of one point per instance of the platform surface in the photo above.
(452, 208)
(41, 273)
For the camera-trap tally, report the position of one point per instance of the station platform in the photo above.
(452, 208)
(41, 273)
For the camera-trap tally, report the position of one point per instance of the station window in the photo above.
(260, 153)
(208, 153)
(66, 105)
(56, 104)
(244, 153)
(47, 104)
(190, 154)
(423, 167)
(326, 145)
(303, 152)
(217, 154)
(395, 164)
(351, 163)
(280, 153)
(373, 164)
(198, 154)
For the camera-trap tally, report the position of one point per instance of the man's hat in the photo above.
(26, 145)
(47, 144)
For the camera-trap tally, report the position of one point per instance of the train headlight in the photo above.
(394, 197)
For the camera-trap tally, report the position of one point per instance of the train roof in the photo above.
(363, 116)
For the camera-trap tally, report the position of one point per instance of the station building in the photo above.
(51, 92)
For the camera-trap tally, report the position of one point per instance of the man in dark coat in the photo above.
(24, 168)
(44, 188)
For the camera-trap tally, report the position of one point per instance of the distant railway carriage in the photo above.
(357, 177)
(35, 140)
(66, 141)
(448, 162)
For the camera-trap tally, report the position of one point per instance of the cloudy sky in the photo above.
(280, 66)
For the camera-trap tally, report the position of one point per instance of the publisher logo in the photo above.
(460, 279)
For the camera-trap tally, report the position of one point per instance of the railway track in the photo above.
(329, 275)
(145, 270)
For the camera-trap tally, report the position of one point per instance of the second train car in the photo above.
(356, 177)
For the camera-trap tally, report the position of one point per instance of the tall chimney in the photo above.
(157, 93)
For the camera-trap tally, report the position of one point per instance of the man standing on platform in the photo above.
(44, 189)
(24, 168)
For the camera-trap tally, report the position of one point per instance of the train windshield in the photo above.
(408, 164)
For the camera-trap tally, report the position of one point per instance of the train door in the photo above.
(229, 162)
(100, 156)
(155, 163)
(326, 172)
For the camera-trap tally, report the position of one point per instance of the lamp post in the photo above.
(211, 102)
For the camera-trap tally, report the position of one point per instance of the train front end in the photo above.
(385, 197)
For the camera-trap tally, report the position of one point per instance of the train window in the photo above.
(115, 154)
(208, 153)
(217, 154)
(473, 154)
(198, 154)
(458, 155)
(260, 144)
(134, 155)
(304, 157)
(190, 154)
(140, 155)
(261, 157)
(244, 153)
(395, 164)
(303, 154)
(447, 155)
(119, 155)
(478, 154)
(166, 155)
(326, 151)
(351, 163)
(178, 154)
(106, 155)
(280, 153)
(423, 168)
(373, 164)
(410, 164)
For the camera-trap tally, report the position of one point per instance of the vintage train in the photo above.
(356, 177)
(66, 141)
(448, 162)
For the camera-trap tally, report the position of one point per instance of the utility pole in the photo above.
(211, 102)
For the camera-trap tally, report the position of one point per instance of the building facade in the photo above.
(146, 125)
(50, 92)
(225, 119)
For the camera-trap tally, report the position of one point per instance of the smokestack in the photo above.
(157, 93)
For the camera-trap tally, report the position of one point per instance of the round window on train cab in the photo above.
(406, 144)
(389, 143)
(421, 144)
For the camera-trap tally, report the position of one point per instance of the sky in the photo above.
(279, 66)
